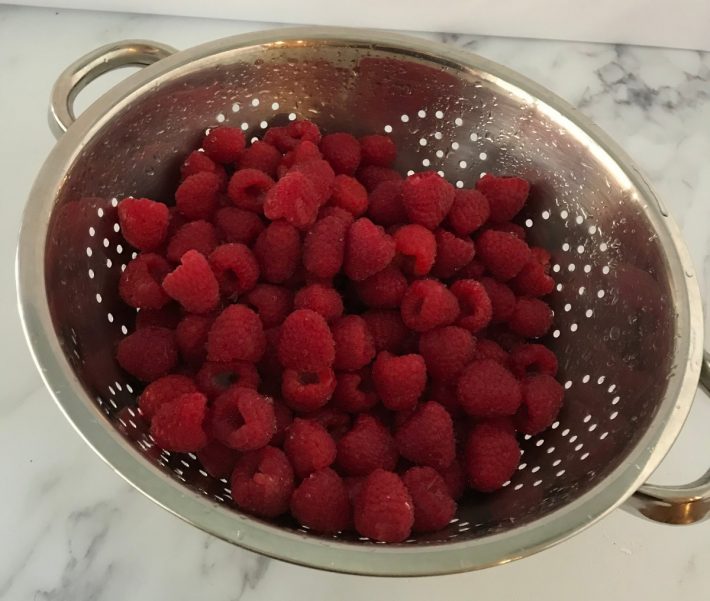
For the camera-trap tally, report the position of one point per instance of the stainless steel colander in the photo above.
(628, 323)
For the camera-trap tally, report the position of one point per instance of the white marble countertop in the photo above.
(110, 543)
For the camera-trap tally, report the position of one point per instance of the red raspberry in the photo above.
(377, 150)
(417, 246)
(193, 284)
(235, 267)
(492, 456)
(167, 317)
(148, 354)
(217, 460)
(284, 417)
(399, 381)
(331, 211)
(271, 303)
(140, 284)
(194, 235)
(469, 211)
(384, 510)
(287, 138)
(261, 156)
(385, 203)
(304, 131)
(384, 290)
(446, 351)
(503, 254)
(354, 347)
(306, 343)
(309, 447)
(473, 271)
(242, 419)
(532, 280)
(507, 339)
(191, 337)
(487, 349)
(215, 377)
(303, 152)
(387, 329)
(321, 177)
(307, 391)
(542, 400)
(177, 425)
(224, 144)
(366, 447)
(324, 247)
(427, 198)
(502, 299)
(487, 389)
(368, 249)
(433, 506)
(238, 225)
(196, 196)
(532, 359)
(354, 392)
(236, 335)
(476, 307)
(506, 195)
(531, 318)
(427, 437)
(198, 161)
(278, 251)
(248, 189)
(294, 199)
(322, 504)
(455, 479)
(262, 482)
(372, 176)
(428, 304)
(349, 194)
(342, 151)
(322, 299)
(452, 254)
(510, 228)
(163, 390)
(336, 422)
(144, 222)
(444, 393)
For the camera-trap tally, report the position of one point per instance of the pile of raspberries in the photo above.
(341, 343)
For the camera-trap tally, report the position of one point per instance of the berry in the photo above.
(385, 205)
(140, 284)
(307, 391)
(354, 347)
(503, 254)
(235, 267)
(167, 317)
(303, 152)
(487, 389)
(278, 251)
(238, 225)
(502, 299)
(368, 249)
(236, 335)
(217, 460)
(224, 144)
(197, 162)
(288, 137)
(427, 198)
(248, 189)
(377, 150)
(272, 303)
(306, 343)
(532, 280)
(322, 504)
(446, 351)
(261, 156)
(366, 447)
(506, 195)
(492, 456)
(510, 228)
(455, 479)
(542, 400)
(388, 330)
(284, 417)
(399, 381)
(452, 254)
(196, 196)
(321, 177)
(148, 353)
(469, 211)
(476, 307)
(487, 349)
(242, 419)
(262, 482)
(383, 509)
(433, 506)
(354, 392)
(193, 284)
(336, 422)
(384, 290)
(324, 247)
(417, 245)
(194, 235)
(216, 377)
(191, 337)
(531, 318)
(428, 304)
(294, 199)
(532, 359)
(427, 437)
(342, 151)
(473, 271)
(163, 390)
(372, 176)
(309, 447)
(349, 194)
(177, 425)
(144, 222)
(322, 299)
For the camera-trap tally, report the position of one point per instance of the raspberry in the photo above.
(309, 447)
(510, 228)
(322, 299)
(384, 290)
(193, 284)
(303, 152)
(532, 359)
(372, 176)
(542, 256)
(349, 194)
(399, 381)
(177, 425)
(238, 225)
(284, 417)
(215, 377)
(262, 482)
(428, 304)
(163, 390)
(224, 144)
(194, 235)
(236, 335)
(287, 138)
(506, 195)
(455, 479)
(191, 337)
(469, 211)
(196, 162)
(307, 391)
(248, 189)
(342, 151)
(452, 254)
(427, 437)
(427, 198)
(304, 131)
(140, 284)
(444, 393)
(271, 303)
(322, 504)
(354, 347)
(476, 307)
(354, 392)
(383, 509)
(336, 422)
(147, 354)
(487, 349)
(196, 196)
(175, 221)
(542, 400)
(531, 318)
(242, 419)
(217, 460)
(261, 156)
(278, 251)
(331, 211)
(144, 222)
(368, 249)
(492, 456)
(473, 271)
(487, 389)
(366, 447)
(306, 342)
(235, 267)
(324, 247)
(385, 203)
(387, 329)
(446, 351)
(433, 506)
(532, 280)
(417, 246)
(377, 150)
(503, 254)
(321, 177)
(167, 317)
(294, 199)
(502, 299)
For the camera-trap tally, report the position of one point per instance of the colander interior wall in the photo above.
(614, 325)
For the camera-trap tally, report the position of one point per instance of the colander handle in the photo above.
(685, 504)
(92, 65)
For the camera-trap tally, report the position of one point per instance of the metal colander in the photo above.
(627, 325)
